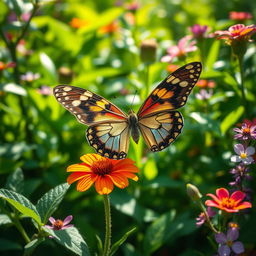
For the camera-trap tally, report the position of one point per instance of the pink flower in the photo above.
(204, 94)
(185, 45)
(200, 220)
(59, 224)
(30, 76)
(240, 16)
(243, 154)
(45, 90)
(227, 203)
(237, 32)
(246, 132)
(198, 31)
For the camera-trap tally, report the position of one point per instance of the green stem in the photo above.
(107, 242)
(240, 61)
(21, 229)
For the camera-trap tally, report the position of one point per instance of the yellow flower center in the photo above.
(243, 155)
(58, 224)
(102, 167)
(228, 202)
(246, 130)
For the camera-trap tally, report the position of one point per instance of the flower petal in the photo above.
(130, 175)
(237, 247)
(220, 238)
(247, 160)
(224, 250)
(67, 220)
(79, 168)
(244, 205)
(238, 195)
(250, 151)
(52, 220)
(222, 193)
(235, 159)
(85, 183)
(119, 180)
(239, 148)
(232, 234)
(91, 158)
(215, 198)
(212, 203)
(104, 185)
(76, 176)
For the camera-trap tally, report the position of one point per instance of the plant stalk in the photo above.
(107, 242)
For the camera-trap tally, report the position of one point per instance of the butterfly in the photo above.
(157, 120)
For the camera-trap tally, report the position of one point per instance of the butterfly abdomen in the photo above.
(134, 126)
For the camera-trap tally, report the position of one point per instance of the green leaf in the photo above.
(4, 219)
(213, 54)
(6, 245)
(31, 246)
(71, 239)
(166, 227)
(150, 170)
(117, 244)
(231, 119)
(99, 245)
(15, 181)
(49, 202)
(21, 203)
(104, 19)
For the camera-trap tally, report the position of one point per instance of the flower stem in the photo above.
(240, 61)
(21, 230)
(107, 243)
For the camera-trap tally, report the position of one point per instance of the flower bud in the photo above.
(65, 75)
(193, 192)
(148, 51)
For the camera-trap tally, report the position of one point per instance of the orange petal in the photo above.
(244, 205)
(104, 185)
(119, 180)
(76, 176)
(78, 168)
(86, 182)
(126, 169)
(90, 158)
(130, 175)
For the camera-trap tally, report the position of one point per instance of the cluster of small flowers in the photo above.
(246, 133)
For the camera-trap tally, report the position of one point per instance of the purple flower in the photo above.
(198, 31)
(59, 224)
(246, 132)
(200, 220)
(243, 154)
(227, 242)
(45, 90)
(184, 46)
(204, 94)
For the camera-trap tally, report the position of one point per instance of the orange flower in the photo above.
(240, 16)
(110, 28)
(104, 172)
(6, 65)
(202, 83)
(78, 23)
(228, 203)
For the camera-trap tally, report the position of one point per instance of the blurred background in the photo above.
(116, 49)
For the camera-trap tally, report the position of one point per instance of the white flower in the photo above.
(243, 154)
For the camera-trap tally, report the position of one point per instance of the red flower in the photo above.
(102, 171)
(236, 32)
(203, 83)
(240, 16)
(228, 203)
(110, 28)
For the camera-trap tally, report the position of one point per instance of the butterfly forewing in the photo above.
(172, 92)
(89, 108)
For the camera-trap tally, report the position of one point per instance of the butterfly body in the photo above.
(157, 119)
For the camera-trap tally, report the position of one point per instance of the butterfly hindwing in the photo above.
(110, 139)
(172, 92)
(161, 129)
(89, 108)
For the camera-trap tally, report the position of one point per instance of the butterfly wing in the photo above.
(161, 129)
(172, 92)
(158, 123)
(89, 108)
(108, 131)
(110, 139)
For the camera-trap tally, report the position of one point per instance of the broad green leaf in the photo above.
(71, 239)
(15, 181)
(150, 170)
(168, 227)
(117, 244)
(231, 119)
(31, 246)
(104, 19)
(7, 245)
(4, 219)
(49, 202)
(21, 203)
(213, 54)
